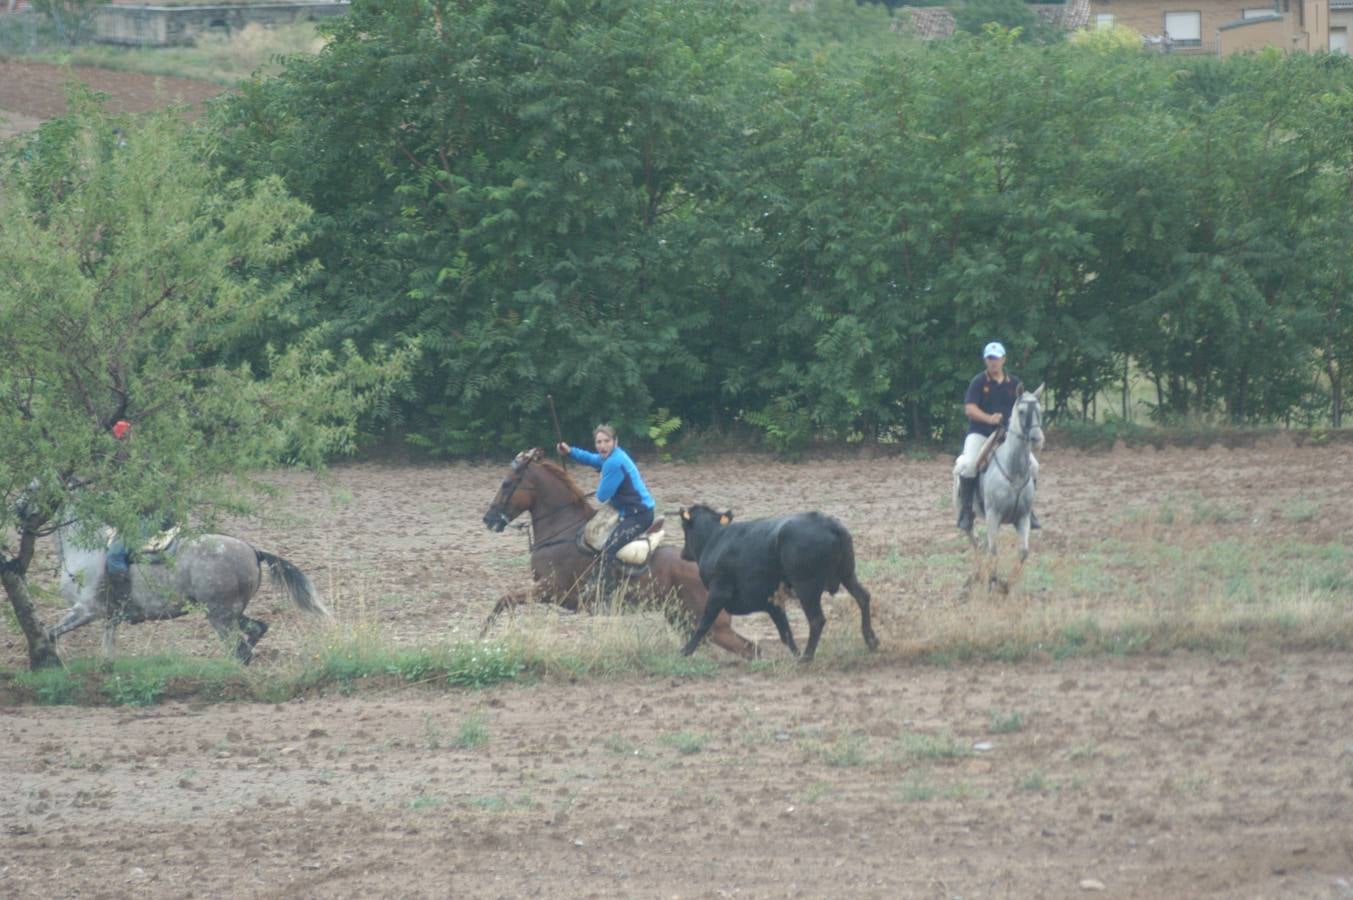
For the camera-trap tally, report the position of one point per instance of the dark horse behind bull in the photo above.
(559, 510)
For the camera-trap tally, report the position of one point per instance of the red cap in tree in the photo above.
(120, 428)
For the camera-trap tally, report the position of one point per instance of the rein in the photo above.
(529, 527)
(553, 538)
(1023, 436)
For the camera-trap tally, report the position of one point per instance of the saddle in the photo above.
(156, 549)
(993, 441)
(635, 553)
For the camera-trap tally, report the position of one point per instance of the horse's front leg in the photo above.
(714, 605)
(1022, 528)
(993, 535)
(77, 617)
(109, 638)
(508, 601)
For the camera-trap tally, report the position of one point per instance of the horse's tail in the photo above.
(284, 574)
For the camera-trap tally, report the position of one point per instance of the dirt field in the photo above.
(31, 92)
(1182, 776)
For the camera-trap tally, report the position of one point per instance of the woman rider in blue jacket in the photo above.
(621, 486)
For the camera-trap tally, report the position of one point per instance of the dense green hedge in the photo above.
(801, 221)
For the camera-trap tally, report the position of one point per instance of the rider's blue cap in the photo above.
(993, 349)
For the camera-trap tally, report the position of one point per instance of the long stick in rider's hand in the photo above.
(558, 432)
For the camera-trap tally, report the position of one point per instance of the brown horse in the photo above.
(559, 510)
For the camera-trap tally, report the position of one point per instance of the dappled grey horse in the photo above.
(1006, 487)
(216, 572)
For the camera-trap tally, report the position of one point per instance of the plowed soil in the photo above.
(32, 92)
(1189, 775)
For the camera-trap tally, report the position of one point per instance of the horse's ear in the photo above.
(725, 517)
(685, 514)
(1038, 391)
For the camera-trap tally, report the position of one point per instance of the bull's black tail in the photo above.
(284, 574)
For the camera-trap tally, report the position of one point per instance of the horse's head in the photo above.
(1028, 417)
(516, 493)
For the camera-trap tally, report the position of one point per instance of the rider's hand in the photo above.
(996, 418)
(563, 448)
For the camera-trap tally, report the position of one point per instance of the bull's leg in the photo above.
(777, 615)
(718, 597)
(810, 597)
(683, 612)
(862, 600)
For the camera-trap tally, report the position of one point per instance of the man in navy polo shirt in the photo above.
(988, 404)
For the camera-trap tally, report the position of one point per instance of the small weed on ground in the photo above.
(684, 742)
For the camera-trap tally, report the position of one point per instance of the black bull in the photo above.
(744, 563)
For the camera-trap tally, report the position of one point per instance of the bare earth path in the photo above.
(1179, 776)
(1182, 778)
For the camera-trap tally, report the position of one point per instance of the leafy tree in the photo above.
(129, 277)
(73, 19)
(505, 180)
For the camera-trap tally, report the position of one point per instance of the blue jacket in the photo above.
(621, 485)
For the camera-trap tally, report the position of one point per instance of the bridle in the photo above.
(1025, 410)
(520, 465)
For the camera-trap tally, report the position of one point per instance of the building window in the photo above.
(1339, 40)
(1257, 12)
(1103, 22)
(1185, 29)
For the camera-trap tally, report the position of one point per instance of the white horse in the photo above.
(1006, 488)
(217, 572)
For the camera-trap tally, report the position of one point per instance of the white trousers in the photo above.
(965, 466)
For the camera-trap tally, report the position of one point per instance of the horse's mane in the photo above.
(558, 472)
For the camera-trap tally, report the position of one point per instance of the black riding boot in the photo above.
(600, 583)
(966, 488)
(119, 594)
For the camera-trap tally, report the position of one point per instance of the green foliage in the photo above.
(131, 281)
(72, 19)
(482, 665)
(473, 733)
(134, 688)
(787, 215)
(662, 425)
(974, 16)
(787, 428)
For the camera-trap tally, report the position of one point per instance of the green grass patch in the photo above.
(844, 751)
(225, 60)
(473, 733)
(135, 681)
(1005, 722)
(684, 742)
(917, 746)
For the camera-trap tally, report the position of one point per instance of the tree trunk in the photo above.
(41, 650)
(1336, 393)
(1127, 388)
